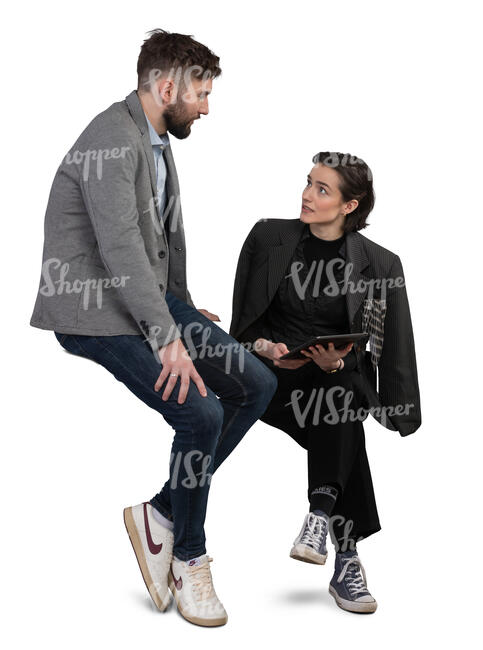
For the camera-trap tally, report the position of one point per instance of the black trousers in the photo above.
(323, 413)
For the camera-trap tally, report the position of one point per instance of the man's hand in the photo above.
(274, 351)
(327, 359)
(177, 363)
(209, 315)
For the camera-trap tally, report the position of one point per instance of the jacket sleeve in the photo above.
(259, 327)
(398, 376)
(110, 201)
(241, 279)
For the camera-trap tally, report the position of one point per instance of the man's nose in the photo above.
(203, 107)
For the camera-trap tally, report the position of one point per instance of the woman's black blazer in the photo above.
(392, 385)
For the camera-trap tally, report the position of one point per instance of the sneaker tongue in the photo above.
(196, 561)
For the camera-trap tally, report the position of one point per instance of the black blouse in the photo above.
(309, 301)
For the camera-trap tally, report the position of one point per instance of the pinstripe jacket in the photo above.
(107, 258)
(376, 302)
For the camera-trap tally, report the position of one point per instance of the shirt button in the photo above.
(161, 254)
(161, 287)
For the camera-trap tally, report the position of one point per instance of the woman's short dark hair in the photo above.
(165, 51)
(355, 182)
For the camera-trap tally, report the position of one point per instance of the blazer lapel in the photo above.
(174, 218)
(357, 260)
(137, 113)
(279, 257)
(172, 180)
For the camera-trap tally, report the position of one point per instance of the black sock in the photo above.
(324, 498)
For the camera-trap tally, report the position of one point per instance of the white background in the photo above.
(395, 84)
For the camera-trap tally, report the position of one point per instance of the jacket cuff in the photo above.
(159, 336)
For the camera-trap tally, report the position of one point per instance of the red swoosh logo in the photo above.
(154, 548)
(178, 582)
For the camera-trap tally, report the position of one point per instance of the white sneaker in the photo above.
(310, 546)
(153, 545)
(192, 587)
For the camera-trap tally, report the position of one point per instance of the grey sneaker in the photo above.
(309, 546)
(348, 585)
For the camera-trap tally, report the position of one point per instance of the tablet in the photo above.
(339, 341)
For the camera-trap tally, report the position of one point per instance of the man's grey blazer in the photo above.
(107, 259)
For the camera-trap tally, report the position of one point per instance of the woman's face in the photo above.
(322, 201)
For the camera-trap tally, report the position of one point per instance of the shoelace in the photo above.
(202, 581)
(356, 583)
(315, 528)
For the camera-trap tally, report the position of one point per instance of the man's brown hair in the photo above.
(165, 51)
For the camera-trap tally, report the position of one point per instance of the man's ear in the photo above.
(167, 91)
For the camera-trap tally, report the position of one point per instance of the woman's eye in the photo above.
(322, 188)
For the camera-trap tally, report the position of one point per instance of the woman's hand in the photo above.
(274, 351)
(327, 359)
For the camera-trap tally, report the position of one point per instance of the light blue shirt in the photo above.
(158, 143)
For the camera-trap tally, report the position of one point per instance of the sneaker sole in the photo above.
(196, 620)
(132, 531)
(306, 554)
(351, 606)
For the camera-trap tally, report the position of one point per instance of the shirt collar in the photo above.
(306, 234)
(154, 137)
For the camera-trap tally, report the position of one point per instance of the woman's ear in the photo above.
(351, 206)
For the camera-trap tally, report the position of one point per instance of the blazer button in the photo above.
(178, 282)
(161, 287)
(177, 248)
(161, 254)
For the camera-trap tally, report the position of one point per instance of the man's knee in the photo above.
(208, 415)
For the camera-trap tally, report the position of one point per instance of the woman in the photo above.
(317, 275)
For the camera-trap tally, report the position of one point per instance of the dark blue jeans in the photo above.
(207, 429)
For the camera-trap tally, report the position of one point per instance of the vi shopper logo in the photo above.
(196, 337)
(340, 532)
(84, 159)
(55, 274)
(171, 209)
(190, 470)
(337, 286)
(335, 405)
(179, 74)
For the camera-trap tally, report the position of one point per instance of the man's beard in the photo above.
(176, 122)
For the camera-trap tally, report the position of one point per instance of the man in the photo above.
(113, 289)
